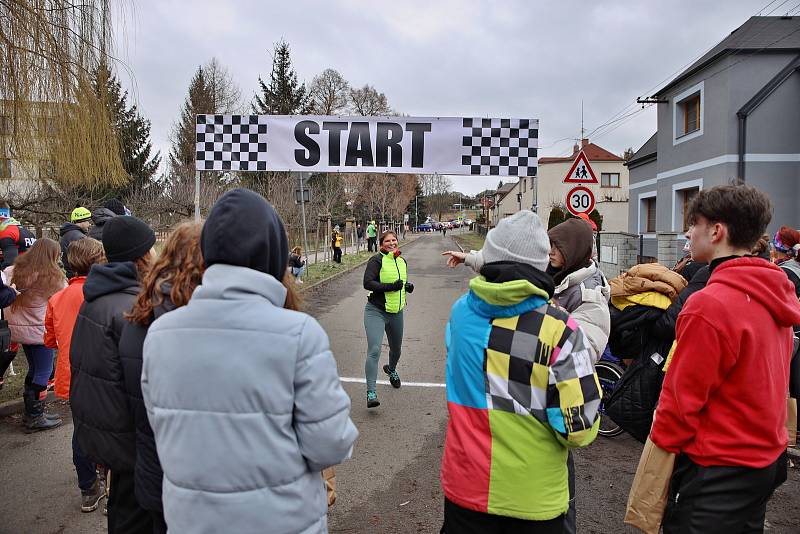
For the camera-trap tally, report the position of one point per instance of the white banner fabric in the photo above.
(411, 145)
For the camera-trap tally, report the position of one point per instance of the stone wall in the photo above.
(617, 252)
(669, 249)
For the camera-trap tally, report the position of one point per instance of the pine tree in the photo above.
(132, 129)
(283, 94)
(200, 101)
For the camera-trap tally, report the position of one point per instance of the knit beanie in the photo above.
(520, 238)
(126, 238)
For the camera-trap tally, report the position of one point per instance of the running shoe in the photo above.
(372, 400)
(394, 378)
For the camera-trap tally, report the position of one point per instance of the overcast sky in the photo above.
(457, 58)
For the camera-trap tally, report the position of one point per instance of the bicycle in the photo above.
(609, 371)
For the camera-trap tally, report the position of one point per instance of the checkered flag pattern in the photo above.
(526, 376)
(231, 143)
(500, 147)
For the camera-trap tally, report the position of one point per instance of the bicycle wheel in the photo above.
(608, 374)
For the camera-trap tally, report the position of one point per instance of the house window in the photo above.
(609, 179)
(650, 215)
(47, 126)
(691, 114)
(46, 169)
(5, 168)
(686, 197)
(5, 125)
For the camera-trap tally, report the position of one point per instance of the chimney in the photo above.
(575, 149)
(584, 142)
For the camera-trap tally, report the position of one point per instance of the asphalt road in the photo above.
(391, 485)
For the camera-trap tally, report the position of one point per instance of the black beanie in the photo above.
(244, 229)
(126, 238)
(115, 205)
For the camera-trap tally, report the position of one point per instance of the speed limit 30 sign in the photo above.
(580, 200)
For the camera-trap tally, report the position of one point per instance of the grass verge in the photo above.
(317, 272)
(470, 241)
(12, 388)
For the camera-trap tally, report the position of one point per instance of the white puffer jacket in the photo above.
(585, 294)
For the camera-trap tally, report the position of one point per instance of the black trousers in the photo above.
(125, 516)
(458, 520)
(724, 500)
(337, 254)
(372, 244)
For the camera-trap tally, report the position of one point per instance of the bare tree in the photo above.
(436, 188)
(329, 93)
(368, 101)
(226, 97)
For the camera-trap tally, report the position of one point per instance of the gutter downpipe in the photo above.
(740, 179)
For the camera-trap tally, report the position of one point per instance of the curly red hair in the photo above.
(179, 264)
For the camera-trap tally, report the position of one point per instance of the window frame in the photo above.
(650, 206)
(694, 94)
(610, 184)
(5, 169)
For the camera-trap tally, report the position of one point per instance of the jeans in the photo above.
(85, 468)
(376, 322)
(298, 271)
(40, 364)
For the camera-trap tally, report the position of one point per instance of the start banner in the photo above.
(414, 145)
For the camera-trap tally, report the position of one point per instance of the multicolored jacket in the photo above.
(521, 390)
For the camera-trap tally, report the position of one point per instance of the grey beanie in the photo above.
(521, 238)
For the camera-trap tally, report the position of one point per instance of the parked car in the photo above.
(424, 227)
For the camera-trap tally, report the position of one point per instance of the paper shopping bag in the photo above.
(648, 497)
(791, 421)
(329, 477)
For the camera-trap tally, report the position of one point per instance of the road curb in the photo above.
(14, 407)
(323, 283)
(794, 454)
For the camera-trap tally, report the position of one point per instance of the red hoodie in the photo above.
(724, 398)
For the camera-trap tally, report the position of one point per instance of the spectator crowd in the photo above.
(205, 400)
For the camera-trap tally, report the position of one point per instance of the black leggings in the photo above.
(458, 520)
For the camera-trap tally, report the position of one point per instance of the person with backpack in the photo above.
(62, 311)
(36, 276)
(386, 278)
(521, 391)
(241, 388)
(77, 228)
(168, 285)
(104, 427)
(722, 408)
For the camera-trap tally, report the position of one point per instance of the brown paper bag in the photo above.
(648, 497)
(329, 477)
(791, 421)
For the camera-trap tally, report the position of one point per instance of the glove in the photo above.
(396, 286)
(409, 287)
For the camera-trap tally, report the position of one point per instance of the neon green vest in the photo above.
(391, 269)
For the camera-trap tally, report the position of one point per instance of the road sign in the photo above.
(580, 200)
(581, 172)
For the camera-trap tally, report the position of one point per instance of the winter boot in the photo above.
(34, 413)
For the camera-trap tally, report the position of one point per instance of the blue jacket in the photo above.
(246, 408)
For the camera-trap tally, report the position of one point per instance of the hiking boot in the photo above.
(372, 399)
(35, 418)
(394, 378)
(90, 499)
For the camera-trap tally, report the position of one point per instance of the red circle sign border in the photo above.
(591, 196)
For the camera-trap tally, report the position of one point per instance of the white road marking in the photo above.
(386, 382)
